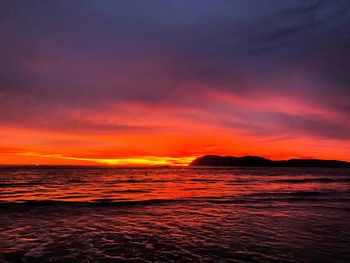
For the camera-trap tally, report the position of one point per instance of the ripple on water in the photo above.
(184, 215)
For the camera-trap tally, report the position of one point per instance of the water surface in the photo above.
(98, 214)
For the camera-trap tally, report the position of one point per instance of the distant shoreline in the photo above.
(257, 161)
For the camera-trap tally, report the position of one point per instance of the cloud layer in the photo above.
(133, 79)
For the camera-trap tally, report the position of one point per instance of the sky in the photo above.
(162, 82)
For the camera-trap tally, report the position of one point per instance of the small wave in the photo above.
(96, 202)
(131, 191)
(76, 181)
(296, 193)
(13, 185)
(204, 180)
(310, 180)
(299, 196)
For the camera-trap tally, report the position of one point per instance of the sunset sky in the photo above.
(162, 82)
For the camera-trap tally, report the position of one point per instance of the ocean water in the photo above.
(98, 214)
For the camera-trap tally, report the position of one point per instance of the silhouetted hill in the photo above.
(256, 161)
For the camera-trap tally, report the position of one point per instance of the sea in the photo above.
(174, 214)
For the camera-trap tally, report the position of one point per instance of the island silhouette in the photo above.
(257, 161)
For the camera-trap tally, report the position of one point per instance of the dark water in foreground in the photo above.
(81, 214)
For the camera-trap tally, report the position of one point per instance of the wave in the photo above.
(6, 185)
(314, 197)
(313, 180)
(96, 202)
(298, 194)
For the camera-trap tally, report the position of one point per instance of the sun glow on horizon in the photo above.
(136, 161)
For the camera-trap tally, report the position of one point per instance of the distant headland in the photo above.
(256, 161)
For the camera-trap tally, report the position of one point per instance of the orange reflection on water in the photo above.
(101, 184)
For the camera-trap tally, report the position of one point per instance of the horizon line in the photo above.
(145, 163)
